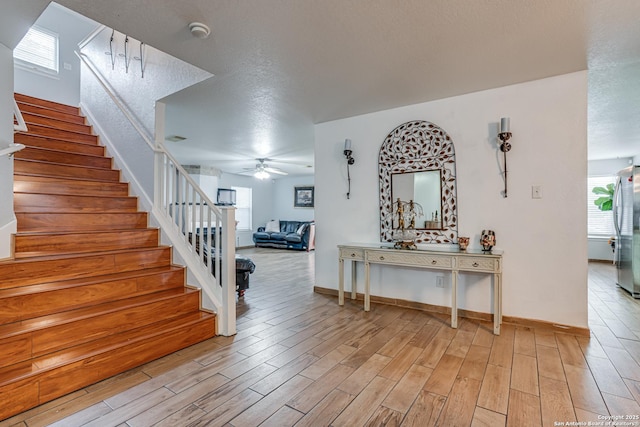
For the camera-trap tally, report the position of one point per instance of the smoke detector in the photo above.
(199, 30)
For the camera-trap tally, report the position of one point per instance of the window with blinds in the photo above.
(38, 50)
(599, 223)
(243, 207)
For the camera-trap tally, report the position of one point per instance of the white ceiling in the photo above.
(282, 65)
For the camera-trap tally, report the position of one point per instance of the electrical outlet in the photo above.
(439, 281)
(536, 192)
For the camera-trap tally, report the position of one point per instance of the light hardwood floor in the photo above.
(300, 359)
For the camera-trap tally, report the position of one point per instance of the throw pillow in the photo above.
(301, 229)
(273, 226)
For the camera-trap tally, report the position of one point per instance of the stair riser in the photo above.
(85, 330)
(83, 242)
(64, 171)
(15, 349)
(36, 109)
(59, 144)
(47, 104)
(56, 123)
(32, 272)
(38, 222)
(61, 134)
(60, 157)
(19, 396)
(27, 184)
(25, 202)
(42, 303)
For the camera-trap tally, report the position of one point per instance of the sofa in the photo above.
(283, 234)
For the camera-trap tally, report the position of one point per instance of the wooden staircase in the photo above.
(90, 293)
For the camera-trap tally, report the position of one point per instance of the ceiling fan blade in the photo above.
(276, 171)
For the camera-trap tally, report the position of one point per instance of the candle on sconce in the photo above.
(504, 124)
(347, 144)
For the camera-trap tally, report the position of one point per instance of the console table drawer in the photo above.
(479, 264)
(352, 253)
(410, 258)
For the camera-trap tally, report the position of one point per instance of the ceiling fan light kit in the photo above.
(262, 170)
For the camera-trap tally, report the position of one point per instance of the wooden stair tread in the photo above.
(23, 176)
(72, 256)
(80, 221)
(44, 162)
(19, 97)
(82, 232)
(50, 112)
(56, 122)
(83, 241)
(21, 136)
(43, 115)
(44, 130)
(83, 281)
(84, 313)
(41, 364)
(55, 151)
(37, 176)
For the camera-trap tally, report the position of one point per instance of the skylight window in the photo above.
(38, 51)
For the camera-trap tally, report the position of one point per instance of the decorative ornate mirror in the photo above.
(413, 159)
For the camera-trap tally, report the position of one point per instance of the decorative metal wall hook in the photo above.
(127, 58)
(110, 53)
(141, 59)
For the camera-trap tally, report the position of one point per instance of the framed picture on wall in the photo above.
(303, 197)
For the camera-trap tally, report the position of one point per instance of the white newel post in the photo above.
(227, 322)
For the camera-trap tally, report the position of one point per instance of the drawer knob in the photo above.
(434, 262)
(381, 258)
(475, 264)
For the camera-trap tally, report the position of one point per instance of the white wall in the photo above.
(71, 28)
(283, 196)
(544, 240)
(7, 218)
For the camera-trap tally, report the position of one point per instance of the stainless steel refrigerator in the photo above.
(626, 215)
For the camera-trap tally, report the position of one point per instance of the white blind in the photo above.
(243, 207)
(40, 48)
(599, 223)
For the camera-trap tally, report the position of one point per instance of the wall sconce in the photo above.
(350, 160)
(504, 134)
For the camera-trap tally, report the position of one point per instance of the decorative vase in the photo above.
(487, 240)
(463, 242)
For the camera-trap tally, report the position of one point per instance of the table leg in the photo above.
(341, 281)
(354, 283)
(367, 303)
(454, 299)
(497, 303)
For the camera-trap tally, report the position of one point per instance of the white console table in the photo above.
(450, 260)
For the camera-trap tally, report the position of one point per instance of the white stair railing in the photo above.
(201, 233)
(20, 126)
(206, 231)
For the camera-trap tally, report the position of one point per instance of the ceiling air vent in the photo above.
(175, 138)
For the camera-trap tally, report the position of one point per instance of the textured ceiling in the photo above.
(282, 65)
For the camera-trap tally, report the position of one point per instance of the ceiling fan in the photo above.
(262, 170)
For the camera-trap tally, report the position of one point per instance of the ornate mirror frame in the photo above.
(414, 147)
